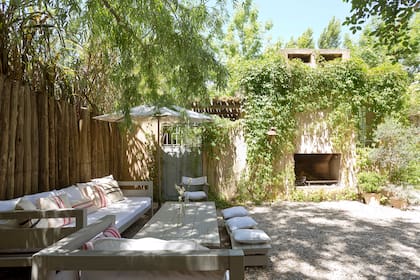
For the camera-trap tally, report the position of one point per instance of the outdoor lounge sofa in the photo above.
(17, 244)
(67, 257)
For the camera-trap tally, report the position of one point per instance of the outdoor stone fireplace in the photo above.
(320, 169)
(318, 159)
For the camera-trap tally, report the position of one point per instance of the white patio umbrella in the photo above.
(171, 113)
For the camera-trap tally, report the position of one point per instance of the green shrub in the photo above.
(397, 152)
(370, 182)
(323, 195)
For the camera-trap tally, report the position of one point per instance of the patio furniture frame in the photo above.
(66, 255)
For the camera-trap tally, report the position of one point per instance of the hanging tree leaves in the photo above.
(119, 52)
(395, 17)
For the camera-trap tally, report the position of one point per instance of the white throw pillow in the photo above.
(236, 211)
(147, 244)
(55, 203)
(73, 193)
(110, 186)
(240, 222)
(85, 204)
(34, 198)
(7, 206)
(25, 204)
(198, 195)
(96, 194)
(250, 236)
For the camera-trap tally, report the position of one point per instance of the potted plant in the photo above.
(370, 184)
(398, 197)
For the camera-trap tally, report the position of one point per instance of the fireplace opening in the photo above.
(321, 169)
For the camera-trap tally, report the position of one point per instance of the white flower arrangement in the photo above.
(181, 191)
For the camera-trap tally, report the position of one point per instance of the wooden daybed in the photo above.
(66, 255)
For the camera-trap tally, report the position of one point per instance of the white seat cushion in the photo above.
(198, 195)
(153, 274)
(250, 236)
(240, 222)
(125, 211)
(147, 244)
(236, 211)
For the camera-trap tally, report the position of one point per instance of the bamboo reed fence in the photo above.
(48, 144)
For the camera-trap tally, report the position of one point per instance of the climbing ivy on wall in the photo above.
(277, 90)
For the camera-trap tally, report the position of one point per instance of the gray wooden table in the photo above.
(197, 222)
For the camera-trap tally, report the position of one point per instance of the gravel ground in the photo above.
(327, 240)
(339, 240)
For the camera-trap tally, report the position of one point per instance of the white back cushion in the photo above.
(194, 181)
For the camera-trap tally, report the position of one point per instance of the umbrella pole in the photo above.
(158, 162)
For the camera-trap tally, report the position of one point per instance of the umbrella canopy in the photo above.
(174, 113)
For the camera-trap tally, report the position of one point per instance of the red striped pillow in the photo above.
(112, 231)
(56, 202)
(85, 204)
(96, 194)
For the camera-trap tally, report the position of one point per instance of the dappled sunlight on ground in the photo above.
(339, 240)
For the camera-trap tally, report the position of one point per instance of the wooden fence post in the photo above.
(34, 143)
(5, 91)
(27, 161)
(85, 145)
(19, 147)
(43, 142)
(14, 99)
(73, 146)
(52, 142)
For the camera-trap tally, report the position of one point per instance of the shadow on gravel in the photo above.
(310, 242)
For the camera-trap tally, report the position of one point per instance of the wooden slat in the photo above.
(4, 135)
(14, 99)
(85, 146)
(34, 144)
(106, 140)
(52, 142)
(19, 146)
(44, 158)
(94, 147)
(62, 144)
(73, 145)
(27, 164)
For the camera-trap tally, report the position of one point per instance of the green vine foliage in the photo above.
(276, 91)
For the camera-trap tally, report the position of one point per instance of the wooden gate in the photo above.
(180, 157)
